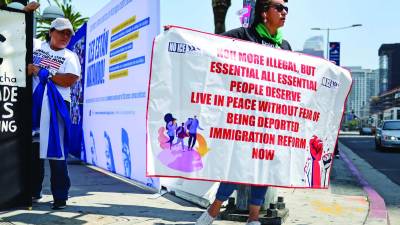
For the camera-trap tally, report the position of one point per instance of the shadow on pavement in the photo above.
(75, 214)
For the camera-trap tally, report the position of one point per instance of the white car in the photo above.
(388, 134)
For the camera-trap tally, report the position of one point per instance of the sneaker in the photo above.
(59, 204)
(253, 223)
(205, 219)
(36, 199)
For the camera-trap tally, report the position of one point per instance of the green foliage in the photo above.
(352, 124)
(4, 2)
(76, 18)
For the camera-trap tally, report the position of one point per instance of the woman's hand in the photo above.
(32, 69)
(31, 7)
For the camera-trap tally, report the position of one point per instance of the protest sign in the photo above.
(250, 113)
(15, 108)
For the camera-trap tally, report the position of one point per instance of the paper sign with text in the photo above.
(222, 109)
(12, 49)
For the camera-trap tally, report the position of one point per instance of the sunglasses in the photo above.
(280, 7)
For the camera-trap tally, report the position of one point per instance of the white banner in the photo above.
(222, 109)
(118, 53)
(12, 48)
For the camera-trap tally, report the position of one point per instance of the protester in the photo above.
(54, 70)
(193, 125)
(269, 16)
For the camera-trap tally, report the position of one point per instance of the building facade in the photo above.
(314, 46)
(365, 87)
(389, 67)
(387, 105)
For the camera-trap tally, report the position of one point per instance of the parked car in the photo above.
(388, 134)
(366, 131)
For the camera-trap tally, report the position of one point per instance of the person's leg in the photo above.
(171, 139)
(256, 201)
(60, 182)
(37, 172)
(194, 140)
(190, 140)
(224, 191)
(178, 140)
(336, 151)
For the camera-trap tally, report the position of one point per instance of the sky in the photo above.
(359, 45)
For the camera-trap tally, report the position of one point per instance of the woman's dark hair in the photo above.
(261, 6)
(48, 34)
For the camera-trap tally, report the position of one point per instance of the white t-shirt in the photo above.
(61, 61)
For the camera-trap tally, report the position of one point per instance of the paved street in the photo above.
(386, 162)
(380, 169)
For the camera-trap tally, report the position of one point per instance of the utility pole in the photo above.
(328, 29)
(220, 8)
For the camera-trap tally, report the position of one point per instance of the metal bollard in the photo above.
(231, 204)
(280, 204)
(272, 211)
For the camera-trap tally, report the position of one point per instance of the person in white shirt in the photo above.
(54, 69)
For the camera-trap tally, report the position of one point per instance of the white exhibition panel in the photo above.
(118, 54)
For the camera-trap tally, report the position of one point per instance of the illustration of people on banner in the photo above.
(179, 156)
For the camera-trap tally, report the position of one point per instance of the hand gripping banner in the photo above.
(222, 109)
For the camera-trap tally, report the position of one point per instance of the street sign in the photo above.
(334, 52)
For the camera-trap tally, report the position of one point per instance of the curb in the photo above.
(378, 213)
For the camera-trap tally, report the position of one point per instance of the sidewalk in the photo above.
(98, 198)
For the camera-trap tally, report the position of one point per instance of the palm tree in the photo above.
(220, 8)
(76, 18)
(5, 2)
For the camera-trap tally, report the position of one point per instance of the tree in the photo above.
(220, 8)
(76, 18)
(352, 124)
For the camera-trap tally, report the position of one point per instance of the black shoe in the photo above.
(59, 204)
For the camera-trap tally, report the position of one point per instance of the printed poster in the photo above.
(118, 54)
(222, 109)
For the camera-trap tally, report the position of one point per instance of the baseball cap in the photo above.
(62, 24)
